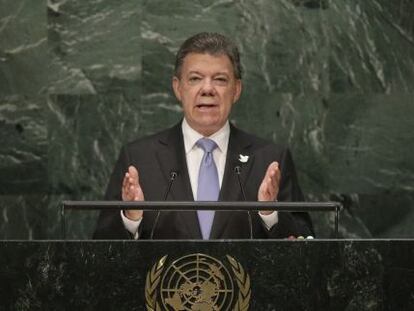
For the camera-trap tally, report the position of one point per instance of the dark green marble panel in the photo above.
(368, 141)
(296, 121)
(23, 168)
(96, 46)
(372, 46)
(387, 214)
(367, 215)
(23, 143)
(280, 43)
(23, 47)
(332, 79)
(285, 275)
(26, 217)
(86, 133)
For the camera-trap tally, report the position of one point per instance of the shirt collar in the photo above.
(191, 136)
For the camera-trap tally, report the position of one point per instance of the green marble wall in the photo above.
(333, 79)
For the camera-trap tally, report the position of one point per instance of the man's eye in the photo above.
(221, 79)
(194, 79)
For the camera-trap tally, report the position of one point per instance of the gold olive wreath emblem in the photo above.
(197, 282)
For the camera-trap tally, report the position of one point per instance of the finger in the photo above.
(272, 172)
(129, 192)
(124, 181)
(275, 173)
(273, 167)
(125, 188)
(134, 193)
(131, 189)
(139, 195)
(133, 174)
(273, 177)
(127, 180)
(271, 188)
(126, 194)
(263, 193)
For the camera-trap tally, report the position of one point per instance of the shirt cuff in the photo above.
(270, 220)
(131, 225)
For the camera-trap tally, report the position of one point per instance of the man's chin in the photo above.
(207, 127)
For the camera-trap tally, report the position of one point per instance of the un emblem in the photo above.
(197, 282)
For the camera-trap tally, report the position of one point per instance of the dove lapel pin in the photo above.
(243, 158)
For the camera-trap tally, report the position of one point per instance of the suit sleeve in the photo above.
(110, 225)
(295, 223)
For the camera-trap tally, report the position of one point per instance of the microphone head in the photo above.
(237, 169)
(173, 174)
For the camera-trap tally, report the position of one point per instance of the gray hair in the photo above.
(209, 43)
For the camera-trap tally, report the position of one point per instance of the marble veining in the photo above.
(331, 79)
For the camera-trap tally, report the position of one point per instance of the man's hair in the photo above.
(209, 43)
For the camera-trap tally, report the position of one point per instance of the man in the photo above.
(203, 151)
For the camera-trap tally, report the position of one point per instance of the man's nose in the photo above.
(207, 88)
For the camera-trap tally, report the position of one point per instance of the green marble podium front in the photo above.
(284, 275)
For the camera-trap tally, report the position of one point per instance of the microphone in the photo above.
(173, 176)
(237, 170)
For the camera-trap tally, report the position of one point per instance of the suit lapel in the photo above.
(171, 157)
(230, 188)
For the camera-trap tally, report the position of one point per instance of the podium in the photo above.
(263, 275)
(283, 275)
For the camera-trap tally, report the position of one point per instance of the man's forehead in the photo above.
(194, 62)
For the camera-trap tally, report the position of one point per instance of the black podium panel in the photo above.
(277, 275)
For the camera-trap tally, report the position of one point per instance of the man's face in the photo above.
(207, 89)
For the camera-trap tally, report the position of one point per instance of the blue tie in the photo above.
(208, 185)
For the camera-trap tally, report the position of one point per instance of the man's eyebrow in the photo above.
(215, 74)
(222, 73)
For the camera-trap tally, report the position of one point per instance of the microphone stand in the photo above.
(237, 170)
(173, 176)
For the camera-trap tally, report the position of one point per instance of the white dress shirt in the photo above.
(194, 155)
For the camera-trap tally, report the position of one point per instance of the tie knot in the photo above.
(208, 145)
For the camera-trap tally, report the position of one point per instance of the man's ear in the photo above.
(176, 87)
(239, 87)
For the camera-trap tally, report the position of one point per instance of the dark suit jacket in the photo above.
(157, 155)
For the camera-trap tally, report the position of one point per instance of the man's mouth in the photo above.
(206, 106)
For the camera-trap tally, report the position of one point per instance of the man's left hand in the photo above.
(269, 187)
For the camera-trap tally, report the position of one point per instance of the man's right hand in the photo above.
(132, 191)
